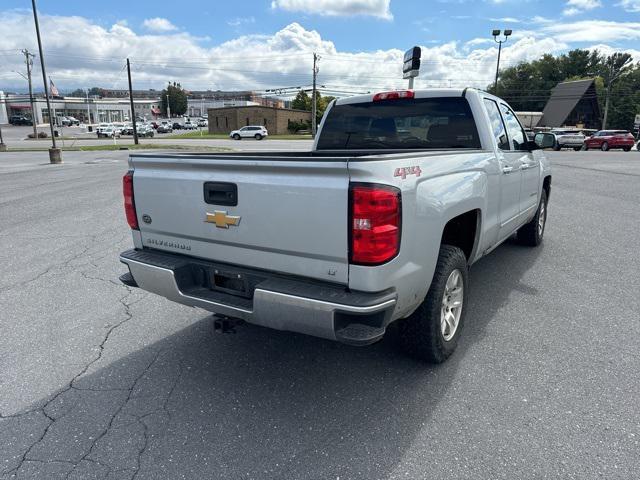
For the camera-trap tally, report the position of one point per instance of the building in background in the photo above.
(276, 120)
(573, 103)
(92, 110)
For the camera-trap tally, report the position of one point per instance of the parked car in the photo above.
(341, 241)
(127, 129)
(73, 121)
(20, 120)
(177, 126)
(203, 122)
(608, 139)
(189, 126)
(258, 132)
(568, 138)
(103, 126)
(145, 131)
(164, 127)
(109, 132)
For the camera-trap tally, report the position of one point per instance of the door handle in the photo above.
(507, 169)
(525, 166)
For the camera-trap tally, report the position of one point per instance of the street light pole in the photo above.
(168, 108)
(496, 34)
(54, 152)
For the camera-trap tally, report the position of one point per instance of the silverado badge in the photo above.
(221, 219)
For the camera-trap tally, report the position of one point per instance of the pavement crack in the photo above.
(43, 409)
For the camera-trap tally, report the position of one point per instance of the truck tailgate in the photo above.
(290, 215)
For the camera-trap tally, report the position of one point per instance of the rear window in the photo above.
(424, 123)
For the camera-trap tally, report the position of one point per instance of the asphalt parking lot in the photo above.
(101, 381)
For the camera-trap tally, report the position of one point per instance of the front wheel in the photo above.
(531, 234)
(557, 146)
(236, 136)
(577, 149)
(431, 332)
(627, 149)
(605, 147)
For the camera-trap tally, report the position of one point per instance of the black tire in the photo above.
(420, 335)
(577, 149)
(604, 147)
(626, 149)
(585, 147)
(258, 136)
(557, 146)
(530, 234)
(236, 136)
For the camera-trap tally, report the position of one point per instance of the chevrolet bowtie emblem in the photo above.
(221, 219)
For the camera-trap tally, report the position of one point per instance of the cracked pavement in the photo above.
(102, 381)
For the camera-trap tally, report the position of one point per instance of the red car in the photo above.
(607, 139)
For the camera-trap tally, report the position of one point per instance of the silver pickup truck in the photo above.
(402, 192)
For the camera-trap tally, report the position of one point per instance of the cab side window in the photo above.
(514, 129)
(497, 125)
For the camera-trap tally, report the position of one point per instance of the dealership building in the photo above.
(276, 120)
(113, 105)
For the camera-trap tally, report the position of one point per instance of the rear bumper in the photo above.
(274, 301)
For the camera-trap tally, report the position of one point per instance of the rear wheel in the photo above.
(604, 147)
(531, 234)
(627, 149)
(258, 136)
(585, 147)
(431, 332)
(556, 146)
(577, 149)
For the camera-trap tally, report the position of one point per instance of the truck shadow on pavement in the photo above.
(262, 403)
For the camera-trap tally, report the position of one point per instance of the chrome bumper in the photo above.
(356, 318)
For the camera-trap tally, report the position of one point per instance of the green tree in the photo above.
(177, 99)
(302, 101)
(78, 92)
(93, 91)
(527, 86)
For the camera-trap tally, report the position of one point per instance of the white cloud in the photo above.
(575, 7)
(159, 24)
(630, 5)
(236, 22)
(280, 59)
(593, 31)
(375, 8)
(505, 20)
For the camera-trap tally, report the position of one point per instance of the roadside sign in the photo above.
(411, 65)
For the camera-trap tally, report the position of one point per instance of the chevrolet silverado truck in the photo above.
(378, 223)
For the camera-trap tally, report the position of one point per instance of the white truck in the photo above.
(378, 223)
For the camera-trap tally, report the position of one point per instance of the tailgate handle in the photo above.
(221, 193)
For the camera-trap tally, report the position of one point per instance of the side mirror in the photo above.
(545, 140)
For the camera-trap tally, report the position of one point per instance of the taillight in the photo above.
(375, 223)
(129, 203)
(394, 95)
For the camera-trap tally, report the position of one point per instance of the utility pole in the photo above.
(133, 112)
(608, 94)
(314, 127)
(28, 58)
(168, 108)
(54, 152)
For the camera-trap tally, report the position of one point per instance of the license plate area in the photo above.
(227, 281)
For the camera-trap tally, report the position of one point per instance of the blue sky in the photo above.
(86, 40)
